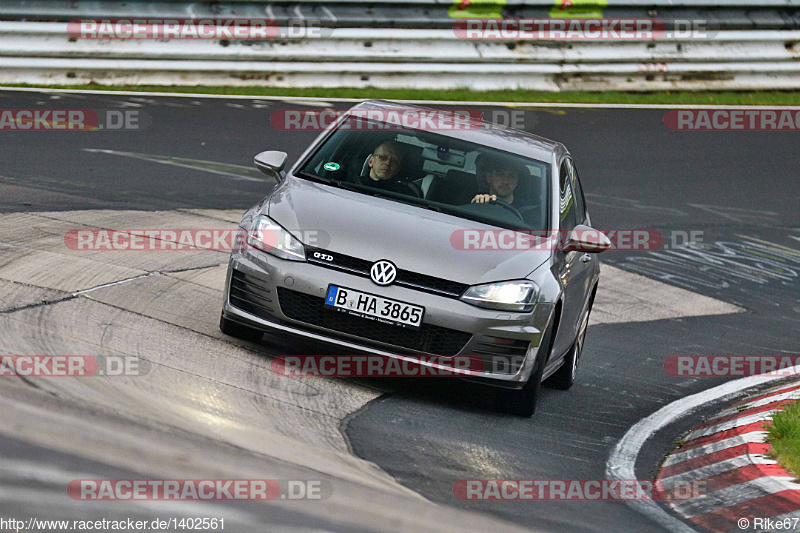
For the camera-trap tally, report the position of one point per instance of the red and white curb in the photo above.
(725, 462)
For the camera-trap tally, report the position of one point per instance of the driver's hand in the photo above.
(484, 198)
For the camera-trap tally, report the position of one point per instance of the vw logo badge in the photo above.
(383, 272)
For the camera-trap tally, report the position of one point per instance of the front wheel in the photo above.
(522, 402)
(564, 378)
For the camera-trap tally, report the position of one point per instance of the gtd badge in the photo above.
(383, 272)
(324, 257)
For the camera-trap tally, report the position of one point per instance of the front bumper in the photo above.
(506, 343)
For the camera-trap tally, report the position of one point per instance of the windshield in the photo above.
(433, 171)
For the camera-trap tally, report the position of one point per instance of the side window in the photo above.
(566, 200)
(580, 204)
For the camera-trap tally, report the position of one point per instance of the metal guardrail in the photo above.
(597, 77)
(52, 6)
(43, 40)
(723, 14)
(426, 55)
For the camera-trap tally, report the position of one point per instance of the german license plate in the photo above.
(373, 307)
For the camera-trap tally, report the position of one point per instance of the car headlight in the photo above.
(268, 236)
(520, 296)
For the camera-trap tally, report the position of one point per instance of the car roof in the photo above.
(498, 136)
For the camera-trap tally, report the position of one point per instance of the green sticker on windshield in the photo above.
(331, 166)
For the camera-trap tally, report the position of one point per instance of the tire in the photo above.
(564, 378)
(239, 331)
(522, 402)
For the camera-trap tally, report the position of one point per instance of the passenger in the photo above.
(384, 166)
(385, 162)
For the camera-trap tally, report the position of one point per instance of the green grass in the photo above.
(521, 96)
(784, 437)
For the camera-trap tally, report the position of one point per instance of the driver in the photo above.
(502, 177)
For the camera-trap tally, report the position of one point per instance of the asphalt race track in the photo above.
(390, 450)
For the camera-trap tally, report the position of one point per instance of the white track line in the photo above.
(764, 401)
(714, 469)
(622, 461)
(436, 102)
(730, 424)
(729, 496)
(679, 457)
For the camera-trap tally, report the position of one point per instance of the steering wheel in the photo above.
(509, 207)
(528, 208)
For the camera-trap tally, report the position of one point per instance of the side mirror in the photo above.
(586, 239)
(271, 163)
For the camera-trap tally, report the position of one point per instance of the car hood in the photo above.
(413, 238)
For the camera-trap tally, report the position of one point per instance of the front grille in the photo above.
(250, 294)
(429, 283)
(405, 278)
(429, 338)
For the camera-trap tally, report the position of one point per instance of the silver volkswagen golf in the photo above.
(431, 239)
